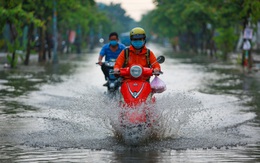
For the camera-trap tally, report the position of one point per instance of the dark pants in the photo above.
(105, 71)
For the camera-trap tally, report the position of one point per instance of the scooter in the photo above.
(113, 83)
(137, 118)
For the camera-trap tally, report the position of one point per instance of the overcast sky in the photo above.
(134, 8)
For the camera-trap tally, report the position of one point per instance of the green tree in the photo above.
(118, 19)
(197, 22)
(77, 15)
(13, 15)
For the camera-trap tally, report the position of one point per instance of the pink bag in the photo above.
(157, 85)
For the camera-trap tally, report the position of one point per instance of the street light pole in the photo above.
(55, 40)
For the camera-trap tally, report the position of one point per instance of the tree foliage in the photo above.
(38, 16)
(202, 24)
(15, 18)
(120, 22)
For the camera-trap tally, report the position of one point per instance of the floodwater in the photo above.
(209, 113)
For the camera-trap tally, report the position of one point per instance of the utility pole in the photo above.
(55, 40)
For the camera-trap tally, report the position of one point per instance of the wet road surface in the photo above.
(61, 114)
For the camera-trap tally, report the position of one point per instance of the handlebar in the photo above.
(107, 63)
(126, 72)
(158, 73)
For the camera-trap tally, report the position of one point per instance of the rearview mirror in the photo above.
(160, 59)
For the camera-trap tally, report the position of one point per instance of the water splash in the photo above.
(170, 113)
(90, 119)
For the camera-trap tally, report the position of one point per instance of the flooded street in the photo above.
(209, 113)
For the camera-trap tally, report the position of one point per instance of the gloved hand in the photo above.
(156, 72)
(116, 71)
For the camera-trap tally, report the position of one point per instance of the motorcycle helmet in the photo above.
(137, 37)
(137, 33)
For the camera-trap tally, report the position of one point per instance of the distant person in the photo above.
(110, 50)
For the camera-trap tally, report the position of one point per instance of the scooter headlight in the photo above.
(110, 64)
(136, 71)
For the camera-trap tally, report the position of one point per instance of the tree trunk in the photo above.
(212, 43)
(28, 49)
(49, 44)
(13, 38)
(42, 44)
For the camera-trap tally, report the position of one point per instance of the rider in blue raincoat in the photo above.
(110, 50)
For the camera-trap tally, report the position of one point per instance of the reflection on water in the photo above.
(244, 86)
(60, 114)
(21, 154)
(19, 82)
